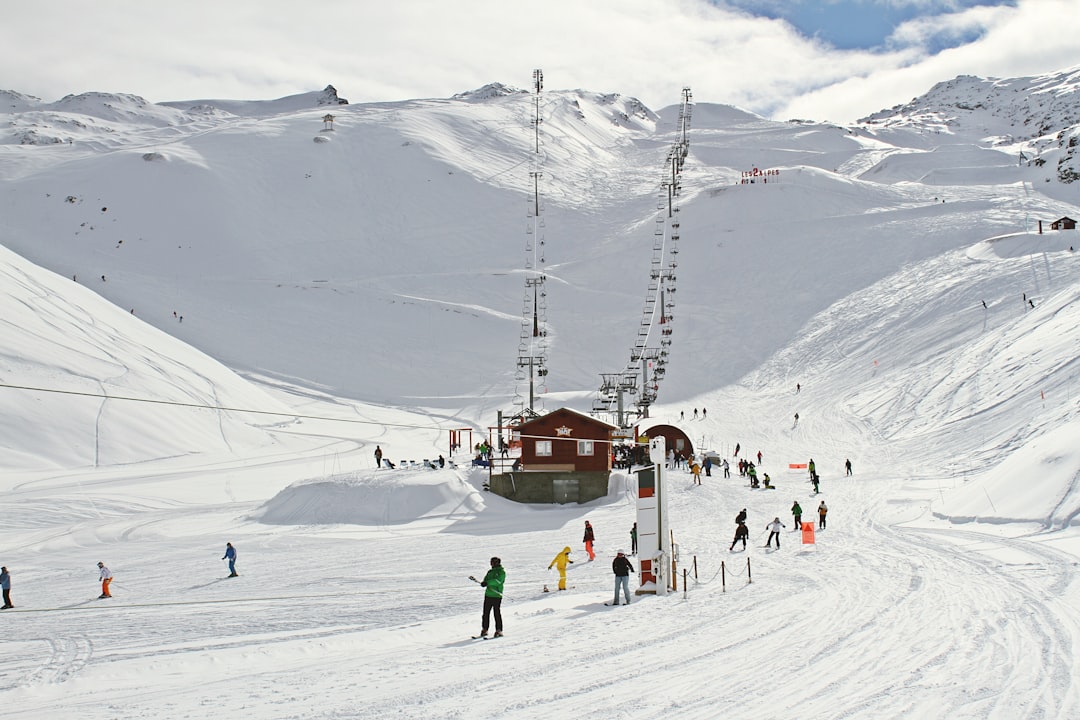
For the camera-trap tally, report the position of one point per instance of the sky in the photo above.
(824, 60)
(944, 583)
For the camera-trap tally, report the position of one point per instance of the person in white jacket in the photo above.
(106, 580)
(774, 528)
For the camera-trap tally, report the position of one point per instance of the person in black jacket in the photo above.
(741, 532)
(741, 517)
(622, 569)
(589, 538)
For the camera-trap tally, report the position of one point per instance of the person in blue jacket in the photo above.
(230, 555)
(5, 585)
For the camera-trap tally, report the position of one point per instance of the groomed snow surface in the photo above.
(945, 585)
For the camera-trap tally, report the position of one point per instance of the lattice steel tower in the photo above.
(532, 349)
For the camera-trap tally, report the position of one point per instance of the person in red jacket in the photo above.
(588, 540)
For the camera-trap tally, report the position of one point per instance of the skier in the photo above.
(741, 517)
(847, 466)
(378, 457)
(811, 468)
(622, 569)
(230, 555)
(633, 540)
(493, 593)
(5, 586)
(703, 412)
(695, 413)
(796, 418)
(106, 579)
(798, 387)
(741, 532)
(758, 457)
(696, 470)
(562, 560)
(737, 446)
(796, 511)
(815, 479)
(821, 511)
(588, 540)
(774, 532)
(727, 469)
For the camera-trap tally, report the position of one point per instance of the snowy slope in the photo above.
(389, 267)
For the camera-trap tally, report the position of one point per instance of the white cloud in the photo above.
(423, 48)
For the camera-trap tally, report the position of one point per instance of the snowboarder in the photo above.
(847, 466)
(704, 411)
(230, 555)
(798, 387)
(493, 592)
(796, 418)
(378, 457)
(727, 469)
(767, 480)
(737, 446)
(708, 466)
(442, 461)
(106, 579)
(811, 468)
(741, 532)
(821, 511)
(5, 586)
(695, 469)
(622, 569)
(562, 560)
(695, 413)
(588, 540)
(796, 511)
(633, 540)
(752, 472)
(741, 517)
(774, 532)
(815, 479)
(758, 457)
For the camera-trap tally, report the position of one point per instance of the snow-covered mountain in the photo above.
(215, 310)
(1038, 116)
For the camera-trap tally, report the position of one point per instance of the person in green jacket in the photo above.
(493, 594)
(796, 511)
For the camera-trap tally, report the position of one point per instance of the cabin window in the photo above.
(543, 448)
(584, 447)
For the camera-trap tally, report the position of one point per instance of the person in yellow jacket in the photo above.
(561, 561)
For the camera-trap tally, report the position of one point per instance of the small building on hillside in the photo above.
(674, 438)
(565, 457)
(1065, 223)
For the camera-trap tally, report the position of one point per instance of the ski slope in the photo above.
(945, 584)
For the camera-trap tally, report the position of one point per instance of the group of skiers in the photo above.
(774, 526)
(105, 576)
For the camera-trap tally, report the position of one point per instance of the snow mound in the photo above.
(375, 498)
(1017, 245)
(1047, 469)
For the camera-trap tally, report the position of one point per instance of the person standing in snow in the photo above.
(847, 466)
(727, 469)
(796, 511)
(588, 540)
(811, 468)
(622, 569)
(708, 466)
(378, 457)
(695, 470)
(633, 540)
(493, 593)
(774, 532)
(106, 579)
(230, 555)
(741, 533)
(758, 457)
(561, 561)
(5, 586)
(821, 511)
